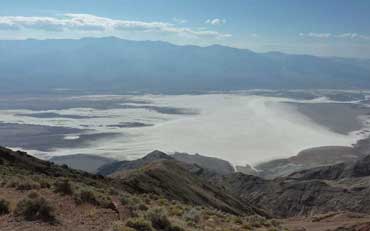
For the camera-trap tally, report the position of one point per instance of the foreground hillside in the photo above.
(159, 192)
(38, 195)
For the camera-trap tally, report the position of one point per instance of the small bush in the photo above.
(125, 200)
(159, 218)
(193, 215)
(4, 207)
(33, 195)
(142, 207)
(176, 228)
(35, 208)
(42, 181)
(27, 185)
(139, 224)
(176, 210)
(88, 196)
(162, 202)
(118, 226)
(238, 220)
(12, 183)
(63, 187)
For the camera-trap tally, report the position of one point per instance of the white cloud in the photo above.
(180, 21)
(353, 36)
(315, 35)
(341, 36)
(215, 21)
(92, 23)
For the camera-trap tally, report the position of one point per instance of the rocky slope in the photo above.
(181, 195)
(307, 159)
(341, 187)
(39, 195)
(212, 165)
(125, 165)
(179, 181)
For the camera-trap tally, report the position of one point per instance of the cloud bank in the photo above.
(330, 35)
(92, 23)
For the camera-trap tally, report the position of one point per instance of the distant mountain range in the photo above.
(112, 63)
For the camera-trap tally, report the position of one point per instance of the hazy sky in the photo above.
(329, 28)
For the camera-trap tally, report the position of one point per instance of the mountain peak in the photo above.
(157, 155)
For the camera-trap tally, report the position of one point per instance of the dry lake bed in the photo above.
(242, 127)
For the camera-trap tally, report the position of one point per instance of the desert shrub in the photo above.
(176, 210)
(44, 183)
(13, 183)
(147, 199)
(247, 226)
(142, 207)
(33, 195)
(133, 202)
(135, 199)
(119, 226)
(153, 196)
(4, 207)
(125, 200)
(90, 197)
(237, 220)
(275, 222)
(86, 196)
(22, 184)
(139, 224)
(176, 228)
(113, 191)
(162, 202)
(3, 183)
(192, 216)
(256, 221)
(158, 218)
(63, 187)
(35, 208)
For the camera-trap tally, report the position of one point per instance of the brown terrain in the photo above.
(159, 192)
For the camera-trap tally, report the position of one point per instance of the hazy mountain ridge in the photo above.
(332, 188)
(100, 63)
(341, 187)
(211, 164)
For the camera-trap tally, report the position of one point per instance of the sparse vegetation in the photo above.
(27, 185)
(159, 218)
(192, 216)
(140, 212)
(139, 224)
(94, 198)
(35, 207)
(63, 187)
(4, 207)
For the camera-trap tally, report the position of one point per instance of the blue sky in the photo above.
(325, 28)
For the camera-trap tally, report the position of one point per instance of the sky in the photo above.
(323, 28)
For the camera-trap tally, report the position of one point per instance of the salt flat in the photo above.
(241, 128)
